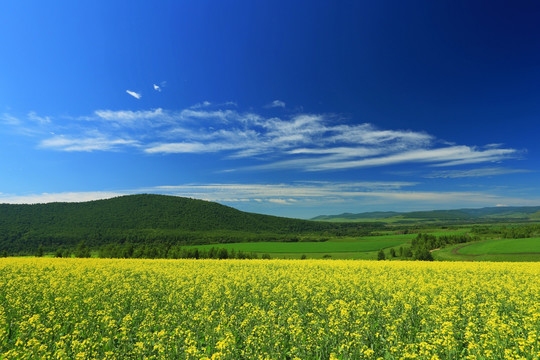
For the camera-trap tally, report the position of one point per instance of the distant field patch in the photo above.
(306, 247)
(504, 246)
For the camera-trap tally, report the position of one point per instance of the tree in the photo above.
(82, 250)
(392, 252)
(223, 253)
(39, 252)
(381, 255)
(423, 254)
(407, 252)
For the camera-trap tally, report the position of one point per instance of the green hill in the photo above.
(438, 215)
(363, 216)
(523, 213)
(144, 219)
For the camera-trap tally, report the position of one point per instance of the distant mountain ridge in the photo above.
(365, 215)
(488, 213)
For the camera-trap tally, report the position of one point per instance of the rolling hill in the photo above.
(524, 213)
(144, 219)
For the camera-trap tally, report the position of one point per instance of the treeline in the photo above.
(423, 244)
(507, 232)
(163, 251)
(174, 252)
(28, 244)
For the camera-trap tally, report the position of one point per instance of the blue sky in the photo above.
(293, 108)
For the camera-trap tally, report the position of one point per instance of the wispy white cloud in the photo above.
(159, 87)
(318, 195)
(8, 119)
(447, 156)
(58, 197)
(481, 172)
(134, 94)
(178, 148)
(32, 115)
(96, 143)
(203, 104)
(132, 119)
(276, 104)
(22, 125)
(128, 115)
(378, 195)
(304, 142)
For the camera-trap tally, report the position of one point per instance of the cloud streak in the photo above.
(134, 94)
(87, 144)
(304, 142)
(276, 104)
(481, 172)
(58, 197)
(375, 195)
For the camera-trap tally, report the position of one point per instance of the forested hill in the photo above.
(503, 213)
(143, 219)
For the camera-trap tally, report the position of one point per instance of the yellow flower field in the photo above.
(267, 309)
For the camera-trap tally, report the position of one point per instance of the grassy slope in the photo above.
(309, 247)
(504, 246)
(453, 253)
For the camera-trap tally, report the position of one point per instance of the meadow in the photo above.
(267, 309)
(349, 245)
(502, 246)
(515, 250)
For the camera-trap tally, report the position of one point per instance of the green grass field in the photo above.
(308, 247)
(384, 237)
(493, 250)
(504, 246)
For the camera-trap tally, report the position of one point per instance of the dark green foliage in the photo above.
(303, 257)
(223, 254)
(39, 252)
(508, 232)
(266, 256)
(422, 244)
(525, 213)
(407, 252)
(164, 251)
(423, 254)
(82, 250)
(392, 252)
(439, 215)
(150, 220)
(432, 242)
(381, 255)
